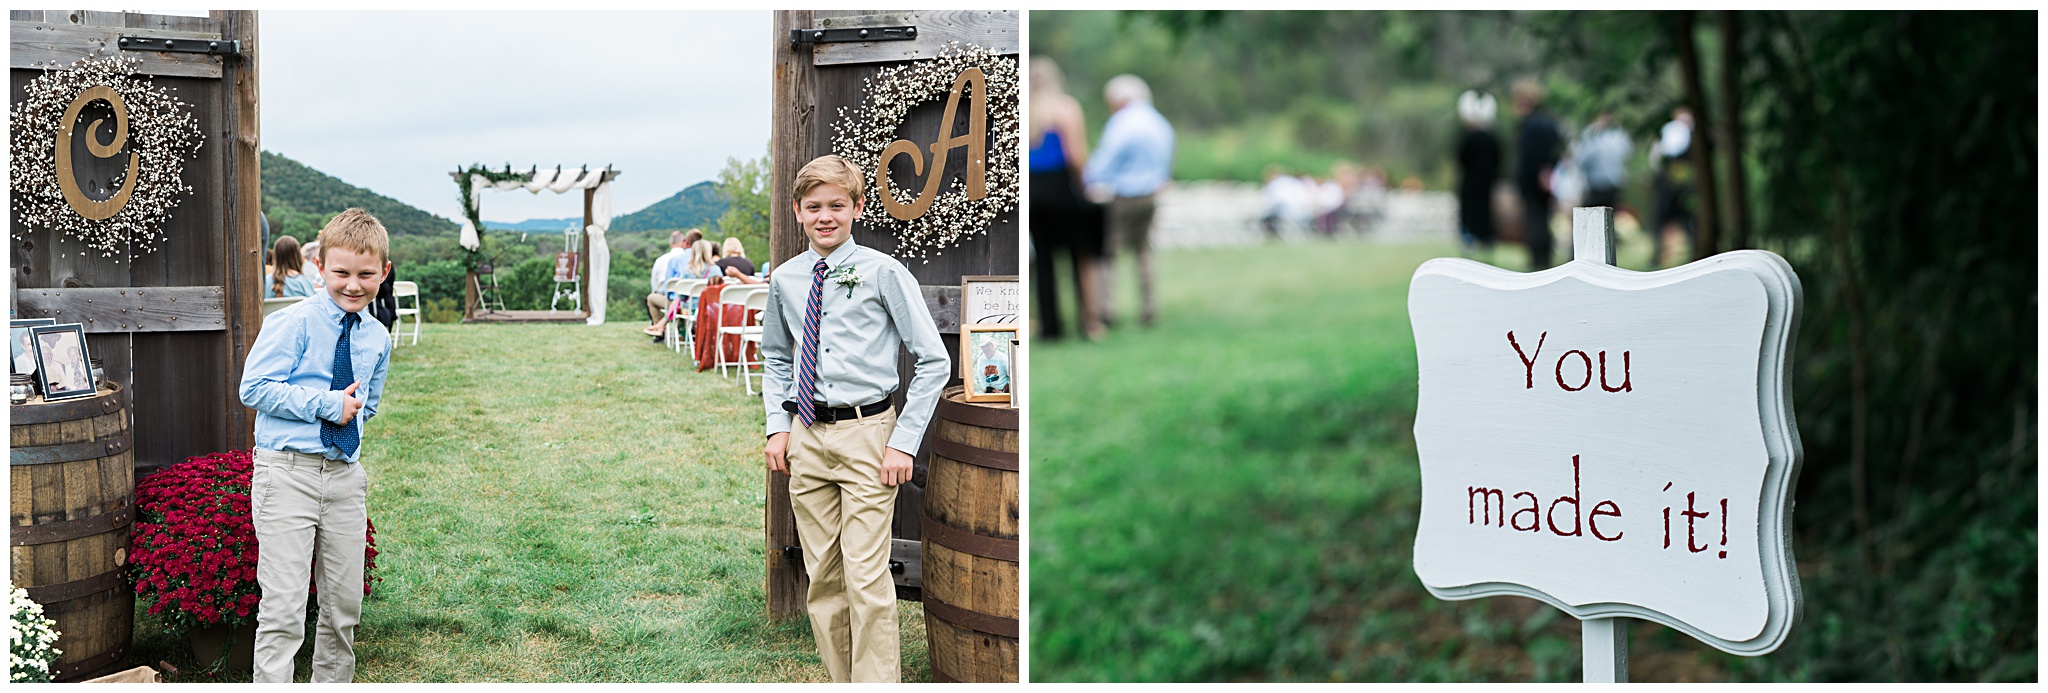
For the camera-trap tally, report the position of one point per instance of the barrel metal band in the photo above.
(82, 587)
(73, 452)
(77, 670)
(1001, 417)
(980, 457)
(107, 402)
(969, 618)
(945, 535)
(66, 530)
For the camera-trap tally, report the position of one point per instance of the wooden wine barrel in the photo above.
(970, 542)
(73, 500)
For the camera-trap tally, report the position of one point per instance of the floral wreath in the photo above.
(891, 94)
(161, 135)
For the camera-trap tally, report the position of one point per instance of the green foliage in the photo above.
(695, 206)
(744, 183)
(440, 280)
(292, 191)
(528, 285)
(1892, 160)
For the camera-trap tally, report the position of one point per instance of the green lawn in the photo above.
(1231, 494)
(565, 503)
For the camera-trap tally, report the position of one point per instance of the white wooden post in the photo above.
(1604, 641)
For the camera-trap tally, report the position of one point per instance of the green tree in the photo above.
(744, 185)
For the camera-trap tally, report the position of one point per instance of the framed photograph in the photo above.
(62, 365)
(24, 345)
(985, 352)
(991, 299)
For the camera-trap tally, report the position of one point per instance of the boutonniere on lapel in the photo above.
(846, 276)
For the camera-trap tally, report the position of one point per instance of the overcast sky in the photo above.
(394, 101)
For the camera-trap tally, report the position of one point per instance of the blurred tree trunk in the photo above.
(1731, 125)
(1705, 211)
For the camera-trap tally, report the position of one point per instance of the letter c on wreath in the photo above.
(67, 178)
(976, 142)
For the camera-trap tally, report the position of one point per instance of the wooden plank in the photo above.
(129, 309)
(791, 145)
(911, 554)
(37, 45)
(241, 252)
(944, 304)
(997, 30)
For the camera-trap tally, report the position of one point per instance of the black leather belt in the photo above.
(834, 414)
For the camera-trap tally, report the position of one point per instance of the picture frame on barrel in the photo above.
(23, 344)
(63, 361)
(985, 358)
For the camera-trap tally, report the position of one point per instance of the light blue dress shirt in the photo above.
(295, 285)
(858, 332)
(291, 368)
(1135, 156)
(668, 266)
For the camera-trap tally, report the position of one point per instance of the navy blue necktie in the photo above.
(334, 435)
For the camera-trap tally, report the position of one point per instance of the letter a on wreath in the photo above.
(976, 142)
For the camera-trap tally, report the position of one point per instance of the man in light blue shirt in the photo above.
(669, 266)
(315, 373)
(1132, 163)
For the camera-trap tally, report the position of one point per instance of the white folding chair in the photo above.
(740, 294)
(484, 298)
(757, 302)
(272, 305)
(679, 290)
(399, 292)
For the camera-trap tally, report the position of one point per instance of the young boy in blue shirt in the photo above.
(836, 315)
(314, 375)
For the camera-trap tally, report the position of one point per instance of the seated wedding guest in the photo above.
(668, 266)
(735, 259)
(310, 266)
(285, 278)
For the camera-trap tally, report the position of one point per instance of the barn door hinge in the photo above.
(181, 45)
(798, 37)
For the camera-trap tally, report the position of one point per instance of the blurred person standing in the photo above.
(1063, 222)
(1669, 156)
(1536, 148)
(1603, 160)
(1133, 162)
(1478, 167)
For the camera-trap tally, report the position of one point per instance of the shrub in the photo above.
(32, 649)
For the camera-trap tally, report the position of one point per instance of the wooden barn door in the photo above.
(811, 86)
(175, 324)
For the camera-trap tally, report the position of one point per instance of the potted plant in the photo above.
(32, 650)
(193, 555)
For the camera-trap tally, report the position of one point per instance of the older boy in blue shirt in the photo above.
(315, 373)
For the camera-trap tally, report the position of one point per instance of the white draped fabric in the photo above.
(469, 237)
(600, 254)
(563, 182)
(541, 179)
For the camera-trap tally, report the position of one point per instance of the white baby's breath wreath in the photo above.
(891, 94)
(162, 132)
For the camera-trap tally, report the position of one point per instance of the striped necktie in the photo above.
(807, 363)
(342, 436)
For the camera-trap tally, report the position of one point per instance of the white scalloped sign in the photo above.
(1614, 443)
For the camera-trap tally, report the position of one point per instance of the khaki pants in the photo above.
(843, 513)
(1129, 222)
(301, 502)
(657, 306)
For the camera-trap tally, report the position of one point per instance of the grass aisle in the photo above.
(563, 503)
(1232, 494)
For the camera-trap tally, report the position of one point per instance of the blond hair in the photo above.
(355, 230)
(829, 170)
(702, 254)
(734, 248)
